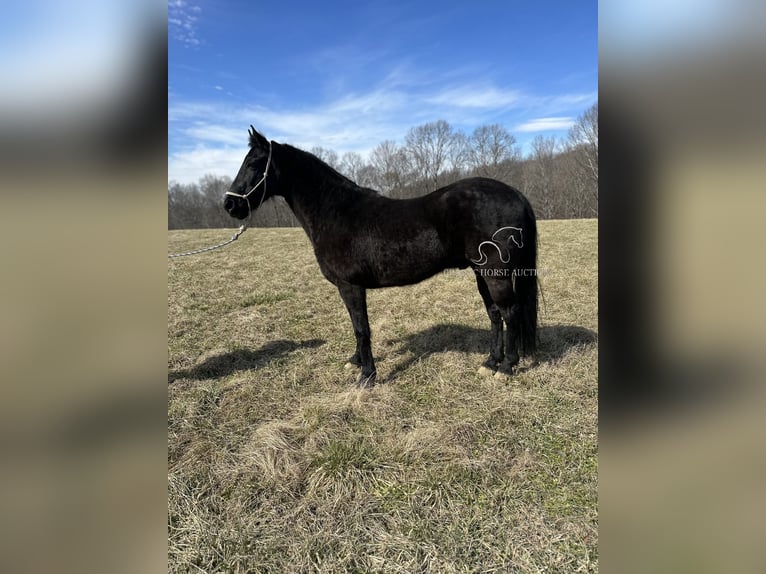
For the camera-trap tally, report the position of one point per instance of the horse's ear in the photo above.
(256, 139)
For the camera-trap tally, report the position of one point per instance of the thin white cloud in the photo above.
(189, 166)
(180, 110)
(545, 124)
(182, 21)
(218, 146)
(486, 97)
(569, 100)
(210, 133)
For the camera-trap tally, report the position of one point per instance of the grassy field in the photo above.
(277, 463)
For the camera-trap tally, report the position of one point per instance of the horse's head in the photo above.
(250, 188)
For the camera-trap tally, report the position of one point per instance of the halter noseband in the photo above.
(261, 181)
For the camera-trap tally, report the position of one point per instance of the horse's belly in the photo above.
(372, 263)
(407, 262)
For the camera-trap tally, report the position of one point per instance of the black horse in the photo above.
(363, 240)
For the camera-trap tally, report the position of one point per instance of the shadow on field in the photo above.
(556, 340)
(553, 342)
(242, 360)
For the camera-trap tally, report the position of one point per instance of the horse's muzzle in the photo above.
(237, 207)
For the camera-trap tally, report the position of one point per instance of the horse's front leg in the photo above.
(355, 298)
(355, 360)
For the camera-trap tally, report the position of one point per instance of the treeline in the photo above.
(559, 176)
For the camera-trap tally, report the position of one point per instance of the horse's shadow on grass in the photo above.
(242, 360)
(553, 342)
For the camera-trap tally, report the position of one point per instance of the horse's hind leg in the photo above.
(355, 298)
(501, 294)
(495, 317)
(511, 316)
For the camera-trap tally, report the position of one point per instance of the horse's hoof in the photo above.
(505, 368)
(351, 366)
(365, 382)
(486, 371)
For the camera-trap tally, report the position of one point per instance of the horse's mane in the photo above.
(321, 170)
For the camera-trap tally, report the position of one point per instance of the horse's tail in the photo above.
(526, 285)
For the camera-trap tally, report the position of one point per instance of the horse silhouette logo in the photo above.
(501, 240)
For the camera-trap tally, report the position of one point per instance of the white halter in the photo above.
(261, 181)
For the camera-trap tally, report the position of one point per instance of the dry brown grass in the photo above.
(276, 463)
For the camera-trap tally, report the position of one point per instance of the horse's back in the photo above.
(479, 206)
(481, 197)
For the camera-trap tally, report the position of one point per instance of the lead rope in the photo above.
(243, 227)
(234, 237)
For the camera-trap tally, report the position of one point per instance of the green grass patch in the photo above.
(265, 299)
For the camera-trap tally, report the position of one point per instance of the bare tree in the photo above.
(367, 177)
(577, 199)
(330, 157)
(493, 151)
(191, 206)
(583, 138)
(351, 165)
(212, 188)
(431, 148)
(391, 166)
(458, 157)
(177, 207)
(539, 176)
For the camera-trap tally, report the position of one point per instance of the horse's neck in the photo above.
(313, 202)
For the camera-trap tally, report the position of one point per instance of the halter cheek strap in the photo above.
(261, 181)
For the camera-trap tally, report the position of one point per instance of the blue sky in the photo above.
(348, 75)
